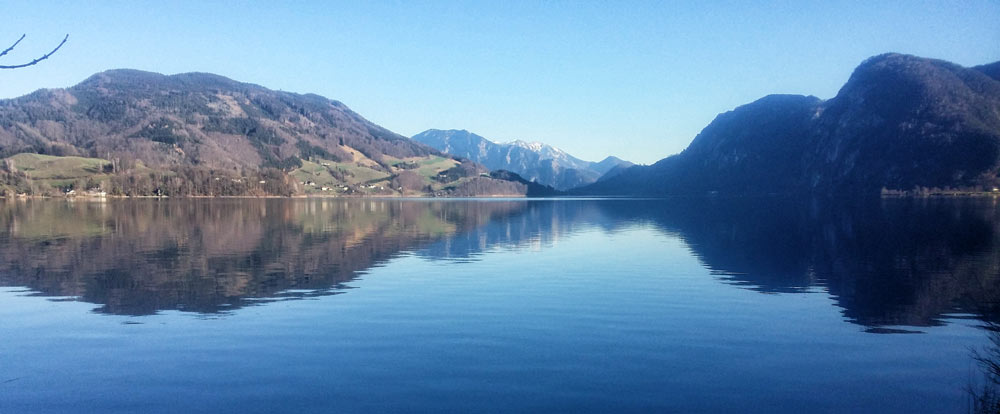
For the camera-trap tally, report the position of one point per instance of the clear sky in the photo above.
(634, 79)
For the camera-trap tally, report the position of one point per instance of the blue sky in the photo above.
(634, 79)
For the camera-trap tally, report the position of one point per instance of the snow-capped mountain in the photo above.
(534, 161)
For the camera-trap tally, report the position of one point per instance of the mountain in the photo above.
(901, 124)
(992, 70)
(199, 133)
(609, 163)
(534, 161)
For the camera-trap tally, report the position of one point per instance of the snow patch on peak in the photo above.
(535, 146)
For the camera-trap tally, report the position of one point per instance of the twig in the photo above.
(5, 51)
(46, 56)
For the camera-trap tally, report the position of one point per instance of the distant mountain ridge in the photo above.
(534, 161)
(901, 124)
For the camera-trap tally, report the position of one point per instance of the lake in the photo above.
(564, 305)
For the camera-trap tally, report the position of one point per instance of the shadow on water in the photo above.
(886, 263)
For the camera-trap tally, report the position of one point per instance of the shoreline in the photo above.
(883, 195)
(111, 197)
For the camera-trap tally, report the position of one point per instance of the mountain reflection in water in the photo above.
(885, 263)
(138, 257)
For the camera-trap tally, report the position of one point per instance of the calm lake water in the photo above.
(345, 306)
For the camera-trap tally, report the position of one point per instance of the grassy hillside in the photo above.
(34, 173)
(432, 175)
(51, 167)
(48, 175)
(395, 176)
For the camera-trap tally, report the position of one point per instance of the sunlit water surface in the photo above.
(494, 305)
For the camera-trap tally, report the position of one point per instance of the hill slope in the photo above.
(900, 123)
(534, 161)
(197, 121)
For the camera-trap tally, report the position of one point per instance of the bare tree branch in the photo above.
(45, 56)
(5, 51)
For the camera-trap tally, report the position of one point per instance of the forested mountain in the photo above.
(901, 123)
(534, 161)
(183, 134)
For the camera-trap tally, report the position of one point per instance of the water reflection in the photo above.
(889, 262)
(141, 257)
(886, 263)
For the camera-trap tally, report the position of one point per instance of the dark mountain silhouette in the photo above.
(609, 163)
(992, 70)
(900, 123)
(534, 161)
(533, 189)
